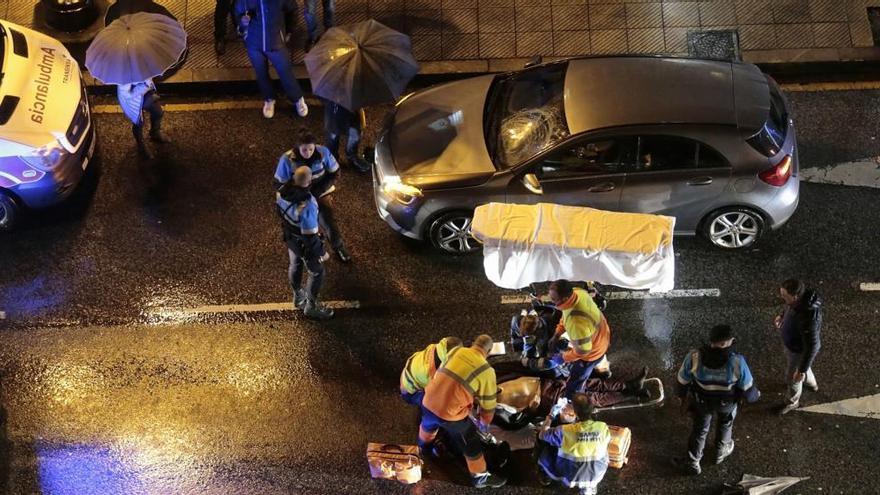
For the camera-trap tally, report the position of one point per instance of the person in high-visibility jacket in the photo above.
(588, 332)
(421, 366)
(575, 454)
(466, 377)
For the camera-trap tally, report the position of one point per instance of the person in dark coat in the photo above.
(800, 326)
(310, 14)
(339, 121)
(222, 10)
(266, 26)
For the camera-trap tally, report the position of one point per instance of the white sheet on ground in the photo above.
(523, 244)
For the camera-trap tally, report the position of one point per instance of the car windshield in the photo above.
(526, 114)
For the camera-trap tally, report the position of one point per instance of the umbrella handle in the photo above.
(363, 117)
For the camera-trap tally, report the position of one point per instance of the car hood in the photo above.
(436, 139)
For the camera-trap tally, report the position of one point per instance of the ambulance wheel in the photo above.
(451, 233)
(9, 212)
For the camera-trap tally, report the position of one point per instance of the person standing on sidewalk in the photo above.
(449, 397)
(266, 26)
(711, 381)
(800, 326)
(222, 10)
(310, 14)
(325, 171)
(339, 121)
(134, 99)
(299, 224)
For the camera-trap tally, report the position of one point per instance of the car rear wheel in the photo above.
(733, 228)
(9, 212)
(451, 233)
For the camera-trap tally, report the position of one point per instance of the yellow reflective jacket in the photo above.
(466, 376)
(421, 366)
(587, 329)
(585, 441)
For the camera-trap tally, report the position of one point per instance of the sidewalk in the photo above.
(492, 35)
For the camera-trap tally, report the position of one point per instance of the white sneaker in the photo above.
(269, 109)
(301, 108)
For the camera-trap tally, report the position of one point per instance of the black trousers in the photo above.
(222, 10)
(154, 108)
(703, 410)
(328, 221)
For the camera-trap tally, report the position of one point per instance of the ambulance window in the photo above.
(19, 43)
(7, 108)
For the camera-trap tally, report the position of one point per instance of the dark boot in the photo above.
(488, 480)
(143, 151)
(636, 386)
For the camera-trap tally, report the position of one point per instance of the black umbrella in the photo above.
(361, 64)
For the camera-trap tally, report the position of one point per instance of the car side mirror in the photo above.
(536, 60)
(533, 184)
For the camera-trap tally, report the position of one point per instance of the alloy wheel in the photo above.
(734, 229)
(454, 235)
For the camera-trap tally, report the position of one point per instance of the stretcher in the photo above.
(525, 244)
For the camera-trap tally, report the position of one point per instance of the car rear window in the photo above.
(770, 138)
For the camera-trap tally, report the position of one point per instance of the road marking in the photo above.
(677, 293)
(860, 407)
(865, 173)
(869, 286)
(2, 315)
(255, 308)
(198, 107)
(830, 86)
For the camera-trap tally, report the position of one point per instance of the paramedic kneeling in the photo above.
(714, 378)
(421, 367)
(449, 396)
(575, 454)
(588, 332)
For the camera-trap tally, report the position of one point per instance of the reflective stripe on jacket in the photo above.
(588, 331)
(466, 376)
(727, 381)
(422, 365)
(580, 458)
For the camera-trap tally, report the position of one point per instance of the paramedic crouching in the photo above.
(713, 378)
(575, 454)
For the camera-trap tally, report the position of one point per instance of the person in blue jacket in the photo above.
(325, 171)
(266, 26)
(711, 381)
(298, 210)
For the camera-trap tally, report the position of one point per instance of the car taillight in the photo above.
(778, 175)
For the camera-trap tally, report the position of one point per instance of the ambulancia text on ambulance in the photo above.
(46, 134)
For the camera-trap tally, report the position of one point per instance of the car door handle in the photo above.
(700, 181)
(604, 187)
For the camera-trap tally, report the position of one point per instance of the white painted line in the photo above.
(869, 286)
(258, 308)
(2, 315)
(864, 173)
(860, 407)
(677, 293)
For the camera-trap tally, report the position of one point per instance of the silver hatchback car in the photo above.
(708, 142)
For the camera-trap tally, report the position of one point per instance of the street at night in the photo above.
(137, 357)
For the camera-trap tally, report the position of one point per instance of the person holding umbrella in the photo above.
(129, 53)
(266, 26)
(339, 121)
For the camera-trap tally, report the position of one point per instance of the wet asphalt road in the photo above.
(106, 389)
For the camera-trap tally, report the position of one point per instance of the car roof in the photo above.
(604, 92)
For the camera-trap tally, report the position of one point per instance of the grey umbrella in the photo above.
(361, 64)
(135, 47)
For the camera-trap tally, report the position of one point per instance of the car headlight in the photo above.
(46, 158)
(404, 194)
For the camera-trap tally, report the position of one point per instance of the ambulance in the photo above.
(46, 132)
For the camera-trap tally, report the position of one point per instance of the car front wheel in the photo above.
(451, 233)
(733, 228)
(8, 212)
